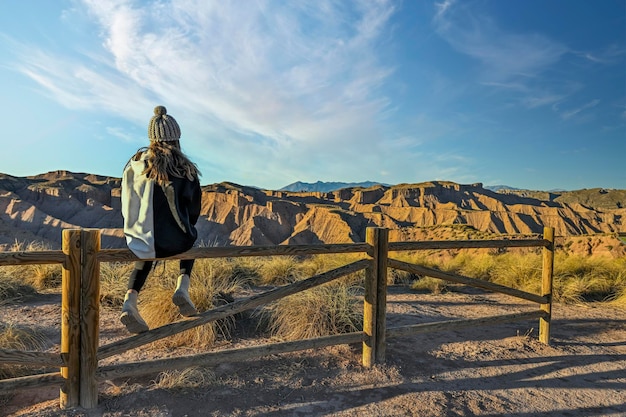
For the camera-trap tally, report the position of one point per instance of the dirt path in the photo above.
(485, 371)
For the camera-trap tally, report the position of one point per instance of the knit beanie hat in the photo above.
(162, 127)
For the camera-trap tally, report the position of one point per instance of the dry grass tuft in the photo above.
(44, 276)
(189, 378)
(12, 290)
(576, 278)
(279, 270)
(620, 299)
(580, 279)
(16, 337)
(328, 309)
(430, 284)
(113, 282)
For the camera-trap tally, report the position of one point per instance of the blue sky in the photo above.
(527, 93)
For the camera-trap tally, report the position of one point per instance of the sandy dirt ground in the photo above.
(489, 371)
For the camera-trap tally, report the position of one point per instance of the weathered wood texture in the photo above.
(70, 318)
(32, 257)
(467, 244)
(31, 358)
(31, 381)
(89, 317)
(231, 355)
(115, 255)
(368, 352)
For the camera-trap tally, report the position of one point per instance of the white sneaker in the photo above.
(181, 297)
(130, 316)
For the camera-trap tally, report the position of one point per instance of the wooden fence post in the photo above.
(375, 304)
(369, 303)
(90, 317)
(70, 317)
(80, 316)
(546, 285)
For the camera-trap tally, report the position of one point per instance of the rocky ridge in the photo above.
(37, 208)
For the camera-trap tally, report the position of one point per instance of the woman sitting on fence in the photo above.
(161, 200)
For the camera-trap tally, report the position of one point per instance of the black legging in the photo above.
(142, 269)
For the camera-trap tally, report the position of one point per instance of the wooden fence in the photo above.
(80, 351)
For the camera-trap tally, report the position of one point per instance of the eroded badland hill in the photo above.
(38, 208)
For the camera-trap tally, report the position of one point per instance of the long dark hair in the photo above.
(165, 159)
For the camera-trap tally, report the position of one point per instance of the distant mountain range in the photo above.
(326, 187)
(498, 188)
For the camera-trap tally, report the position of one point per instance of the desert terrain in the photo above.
(498, 370)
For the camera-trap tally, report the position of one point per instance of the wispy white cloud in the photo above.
(573, 112)
(441, 9)
(507, 61)
(505, 55)
(291, 73)
(608, 55)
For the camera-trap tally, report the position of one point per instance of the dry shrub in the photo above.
(45, 276)
(581, 266)
(576, 278)
(16, 337)
(518, 271)
(11, 289)
(579, 279)
(575, 289)
(480, 265)
(39, 276)
(244, 271)
(279, 270)
(400, 277)
(238, 270)
(430, 284)
(113, 282)
(188, 378)
(324, 310)
(210, 286)
(620, 299)
(317, 264)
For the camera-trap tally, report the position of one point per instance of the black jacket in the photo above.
(159, 221)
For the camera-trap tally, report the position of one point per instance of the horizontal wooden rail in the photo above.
(461, 323)
(228, 310)
(32, 257)
(115, 255)
(32, 358)
(231, 355)
(31, 381)
(479, 283)
(466, 244)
